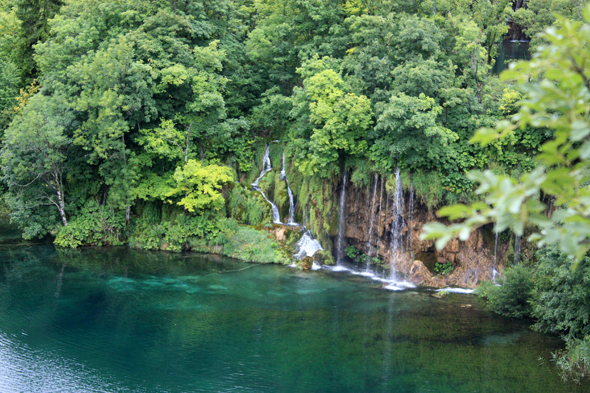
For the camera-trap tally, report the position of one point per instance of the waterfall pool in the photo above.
(119, 320)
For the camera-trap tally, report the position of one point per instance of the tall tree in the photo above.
(34, 161)
(34, 16)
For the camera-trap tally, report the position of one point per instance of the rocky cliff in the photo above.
(473, 260)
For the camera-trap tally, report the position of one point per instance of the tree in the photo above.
(34, 160)
(557, 83)
(34, 16)
(339, 119)
(408, 131)
(200, 185)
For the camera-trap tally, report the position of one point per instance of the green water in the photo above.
(510, 51)
(116, 320)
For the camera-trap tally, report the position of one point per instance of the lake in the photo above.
(121, 320)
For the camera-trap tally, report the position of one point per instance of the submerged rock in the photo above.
(440, 294)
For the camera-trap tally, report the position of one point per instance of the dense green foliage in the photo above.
(555, 290)
(148, 101)
(556, 296)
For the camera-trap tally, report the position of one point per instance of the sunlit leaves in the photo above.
(200, 185)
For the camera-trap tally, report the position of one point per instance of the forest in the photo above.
(145, 122)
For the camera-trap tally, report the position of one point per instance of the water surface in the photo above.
(118, 320)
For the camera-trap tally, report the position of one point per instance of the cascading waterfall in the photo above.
(306, 246)
(267, 167)
(397, 224)
(411, 216)
(291, 220)
(372, 220)
(339, 248)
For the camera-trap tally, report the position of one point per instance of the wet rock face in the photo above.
(419, 273)
(473, 260)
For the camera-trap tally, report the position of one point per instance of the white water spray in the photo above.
(267, 167)
(291, 220)
(397, 224)
(339, 247)
(306, 246)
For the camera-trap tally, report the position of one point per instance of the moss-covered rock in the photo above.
(324, 257)
(306, 263)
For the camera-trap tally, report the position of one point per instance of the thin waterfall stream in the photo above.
(397, 244)
(517, 237)
(372, 221)
(339, 243)
(283, 176)
(411, 216)
(267, 167)
(397, 224)
(380, 211)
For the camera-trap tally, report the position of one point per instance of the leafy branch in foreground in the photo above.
(557, 86)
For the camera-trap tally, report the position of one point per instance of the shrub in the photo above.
(562, 295)
(444, 269)
(513, 297)
(94, 225)
(574, 362)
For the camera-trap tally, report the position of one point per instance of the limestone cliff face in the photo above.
(473, 259)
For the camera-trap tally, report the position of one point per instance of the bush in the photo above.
(562, 295)
(251, 245)
(574, 362)
(444, 269)
(513, 297)
(95, 225)
(174, 235)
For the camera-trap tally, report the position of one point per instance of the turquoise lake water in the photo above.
(118, 320)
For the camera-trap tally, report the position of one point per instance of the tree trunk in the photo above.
(61, 206)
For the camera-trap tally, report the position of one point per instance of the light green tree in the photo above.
(339, 119)
(199, 185)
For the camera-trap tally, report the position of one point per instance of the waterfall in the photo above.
(339, 249)
(291, 220)
(307, 245)
(494, 271)
(267, 167)
(380, 211)
(372, 220)
(411, 216)
(398, 223)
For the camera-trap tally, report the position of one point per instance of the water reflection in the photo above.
(510, 51)
(156, 322)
